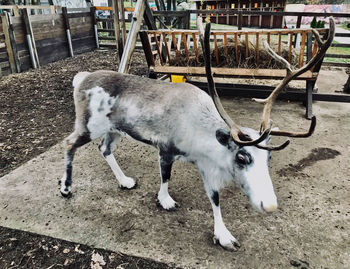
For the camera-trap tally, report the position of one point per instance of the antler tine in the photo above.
(239, 137)
(291, 74)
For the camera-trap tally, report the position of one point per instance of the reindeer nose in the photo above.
(269, 208)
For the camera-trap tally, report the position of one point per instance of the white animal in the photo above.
(183, 123)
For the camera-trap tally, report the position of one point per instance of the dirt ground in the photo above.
(36, 113)
(312, 184)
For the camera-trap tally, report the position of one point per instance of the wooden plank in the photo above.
(216, 49)
(226, 48)
(246, 48)
(290, 47)
(175, 47)
(243, 32)
(158, 48)
(5, 25)
(147, 48)
(132, 36)
(257, 49)
(184, 39)
(279, 44)
(232, 72)
(166, 47)
(122, 17)
(238, 11)
(116, 25)
(336, 64)
(13, 43)
(195, 45)
(302, 49)
(236, 48)
(79, 15)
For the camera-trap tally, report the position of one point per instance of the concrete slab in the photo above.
(312, 184)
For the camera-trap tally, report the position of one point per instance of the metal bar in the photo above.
(69, 38)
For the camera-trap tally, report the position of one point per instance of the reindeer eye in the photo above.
(240, 159)
(243, 158)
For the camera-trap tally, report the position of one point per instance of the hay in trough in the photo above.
(257, 58)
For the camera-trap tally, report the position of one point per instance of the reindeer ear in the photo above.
(223, 136)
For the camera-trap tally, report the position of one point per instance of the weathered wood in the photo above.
(131, 39)
(166, 47)
(226, 48)
(28, 32)
(238, 11)
(257, 49)
(195, 45)
(177, 56)
(122, 17)
(158, 49)
(79, 15)
(236, 48)
(240, 19)
(346, 88)
(147, 48)
(148, 17)
(279, 44)
(184, 39)
(216, 49)
(246, 47)
(290, 47)
(5, 26)
(117, 26)
(241, 32)
(13, 43)
(302, 49)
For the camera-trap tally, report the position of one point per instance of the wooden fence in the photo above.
(240, 19)
(28, 41)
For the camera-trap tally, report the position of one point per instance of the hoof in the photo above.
(170, 209)
(66, 195)
(126, 188)
(232, 246)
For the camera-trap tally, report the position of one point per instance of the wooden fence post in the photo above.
(13, 43)
(67, 26)
(119, 44)
(94, 24)
(136, 22)
(122, 17)
(240, 19)
(5, 27)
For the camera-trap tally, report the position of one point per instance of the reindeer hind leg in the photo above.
(73, 142)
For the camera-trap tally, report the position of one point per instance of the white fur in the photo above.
(78, 78)
(99, 123)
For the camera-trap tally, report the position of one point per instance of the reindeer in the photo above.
(183, 123)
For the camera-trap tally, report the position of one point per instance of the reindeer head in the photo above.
(250, 149)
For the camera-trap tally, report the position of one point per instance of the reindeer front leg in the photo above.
(221, 234)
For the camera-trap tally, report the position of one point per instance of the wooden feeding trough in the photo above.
(236, 54)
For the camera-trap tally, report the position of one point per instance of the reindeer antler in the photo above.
(238, 136)
(291, 74)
